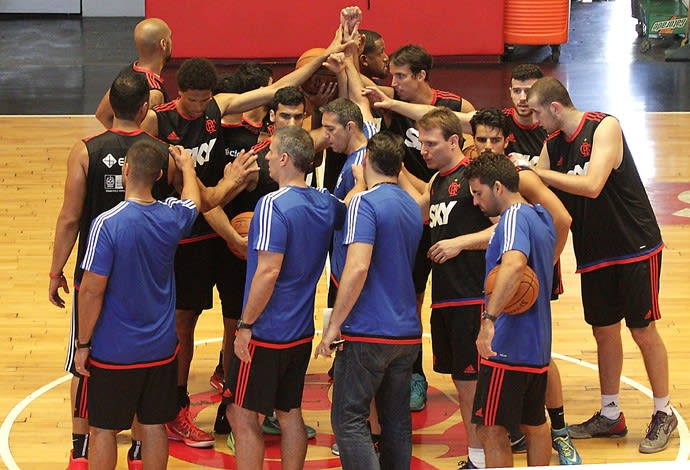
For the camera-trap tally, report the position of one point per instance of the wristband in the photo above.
(80, 345)
(243, 325)
(56, 276)
(487, 316)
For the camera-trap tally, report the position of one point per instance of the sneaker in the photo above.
(418, 386)
(561, 443)
(466, 464)
(221, 426)
(136, 464)
(518, 444)
(182, 428)
(599, 426)
(80, 463)
(271, 426)
(658, 432)
(217, 380)
(335, 450)
(231, 442)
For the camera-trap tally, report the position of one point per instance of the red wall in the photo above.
(240, 29)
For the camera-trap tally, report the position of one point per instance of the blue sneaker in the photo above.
(418, 386)
(561, 443)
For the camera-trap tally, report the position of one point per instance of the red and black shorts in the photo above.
(629, 291)
(509, 396)
(114, 396)
(273, 379)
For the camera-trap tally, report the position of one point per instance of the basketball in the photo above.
(241, 222)
(525, 295)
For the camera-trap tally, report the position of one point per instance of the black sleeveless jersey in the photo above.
(524, 141)
(618, 226)
(460, 280)
(243, 136)
(246, 200)
(104, 189)
(202, 137)
(407, 128)
(153, 80)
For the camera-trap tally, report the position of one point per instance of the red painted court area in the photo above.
(671, 202)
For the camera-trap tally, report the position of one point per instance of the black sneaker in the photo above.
(221, 426)
(518, 444)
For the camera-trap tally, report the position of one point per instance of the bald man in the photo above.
(153, 40)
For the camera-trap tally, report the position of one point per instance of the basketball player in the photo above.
(491, 131)
(194, 121)
(515, 349)
(459, 233)
(373, 60)
(376, 312)
(92, 186)
(153, 40)
(126, 345)
(273, 342)
(617, 245)
(410, 67)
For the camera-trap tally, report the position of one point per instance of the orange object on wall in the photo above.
(536, 22)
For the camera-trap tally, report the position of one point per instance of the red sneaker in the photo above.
(217, 380)
(137, 464)
(183, 429)
(80, 463)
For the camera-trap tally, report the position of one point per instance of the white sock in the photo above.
(610, 406)
(476, 456)
(662, 404)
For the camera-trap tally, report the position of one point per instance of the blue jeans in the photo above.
(364, 371)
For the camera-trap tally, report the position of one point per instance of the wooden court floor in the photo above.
(34, 392)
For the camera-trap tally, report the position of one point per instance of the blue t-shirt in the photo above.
(388, 218)
(134, 245)
(525, 339)
(345, 183)
(297, 222)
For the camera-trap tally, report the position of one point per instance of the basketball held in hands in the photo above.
(241, 222)
(525, 295)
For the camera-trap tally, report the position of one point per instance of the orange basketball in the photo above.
(525, 295)
(241, 222)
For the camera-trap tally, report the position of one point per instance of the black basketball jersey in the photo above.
(104, 188)
(246, 200)
(202, 137)
(524, 141)
(242, 136)
(407, 128)
(618, 226)
(460, 280)
(153, 80)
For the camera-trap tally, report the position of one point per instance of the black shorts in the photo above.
(507, 397)
(557, 284)
(73, 335)
(422, 263)
(114, 396)
(201, 265)
(274, 379)
(454, 333)
(629, 291)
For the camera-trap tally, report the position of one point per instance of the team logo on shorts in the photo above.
(210, 126)
(586, 149)
(454, 188)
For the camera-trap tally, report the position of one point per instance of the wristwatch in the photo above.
(241, 324)
(487, 316)
(79, 345)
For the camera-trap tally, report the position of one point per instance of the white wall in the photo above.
(112, 7)
(41, 6)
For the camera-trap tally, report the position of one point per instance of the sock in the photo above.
(80, 446)
(610, 406)
(134, 451)
(182, 397)
(557, 417)
(219, 367)
(662, 404)
(417, 367)
(476, 456)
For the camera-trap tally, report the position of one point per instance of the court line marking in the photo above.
(6, 454)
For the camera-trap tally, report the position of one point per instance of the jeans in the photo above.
(364, 371)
